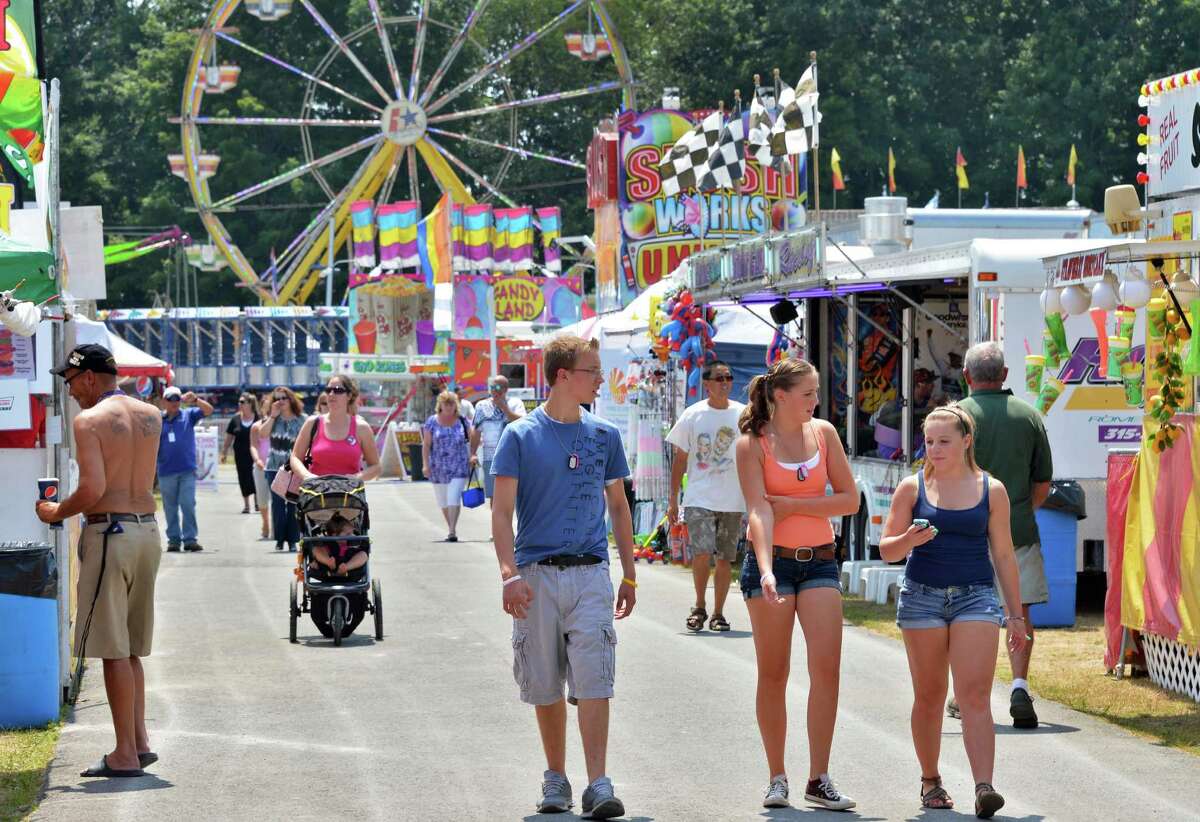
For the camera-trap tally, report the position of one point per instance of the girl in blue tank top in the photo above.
(951, 521)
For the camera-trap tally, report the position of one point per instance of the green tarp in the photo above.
(21, 262)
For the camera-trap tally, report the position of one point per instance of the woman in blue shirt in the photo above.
(952, 522)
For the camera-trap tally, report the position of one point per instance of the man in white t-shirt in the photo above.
(491, 416)
(713, 506)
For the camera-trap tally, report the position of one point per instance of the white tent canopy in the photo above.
(131, 360)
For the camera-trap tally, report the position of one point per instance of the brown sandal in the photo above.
(695, 620)
(936, 797)
(987, 801)
(718, 623)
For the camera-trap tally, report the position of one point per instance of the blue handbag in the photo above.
(473, 494)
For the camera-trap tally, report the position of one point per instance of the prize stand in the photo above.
(1153, 494)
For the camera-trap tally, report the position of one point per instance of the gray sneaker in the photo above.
(599, 801)
(556, 793)
(777, 793)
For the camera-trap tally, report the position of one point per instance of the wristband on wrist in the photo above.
(510, 580)
(631, 583)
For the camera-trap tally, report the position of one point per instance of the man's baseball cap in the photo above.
(172, 393)
(88, 357)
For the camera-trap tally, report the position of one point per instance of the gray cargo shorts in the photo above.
(1032, 571)
(713, 532)
(567, 635)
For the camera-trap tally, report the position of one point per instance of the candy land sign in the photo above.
(518, 298)
(659, 231)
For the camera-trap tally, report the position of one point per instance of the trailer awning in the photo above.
(1087, 267)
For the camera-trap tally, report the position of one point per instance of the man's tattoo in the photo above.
(117, 426)
(149, 425)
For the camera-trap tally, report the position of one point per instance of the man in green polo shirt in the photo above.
(1011, 445)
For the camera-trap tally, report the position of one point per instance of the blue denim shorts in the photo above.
(791, 576)
(924, 606)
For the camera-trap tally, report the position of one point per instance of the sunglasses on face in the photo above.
(337, 389)
(721, 378)
(495, 388)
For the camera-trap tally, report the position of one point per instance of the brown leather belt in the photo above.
(94, 519)
(821, 552)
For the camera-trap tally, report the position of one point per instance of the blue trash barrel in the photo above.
(29, 676)
(1059, 533)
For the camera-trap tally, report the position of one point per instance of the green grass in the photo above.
(1068, 667)
(24, 757)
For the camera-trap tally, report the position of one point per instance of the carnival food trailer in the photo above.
(889, 333)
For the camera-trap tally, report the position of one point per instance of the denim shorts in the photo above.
(791, 576)
(924, 606)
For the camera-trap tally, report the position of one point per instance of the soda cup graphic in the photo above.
(48, 491)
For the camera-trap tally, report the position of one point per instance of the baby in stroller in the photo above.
(339, 557)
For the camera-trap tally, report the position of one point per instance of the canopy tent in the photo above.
(22, 262)
(131, 360)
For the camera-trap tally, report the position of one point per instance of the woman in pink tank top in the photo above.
(342, 443)
(786, 459)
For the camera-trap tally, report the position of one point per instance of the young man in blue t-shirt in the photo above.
(177, 466)
(558, 466)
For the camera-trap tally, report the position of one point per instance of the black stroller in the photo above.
(336, 602)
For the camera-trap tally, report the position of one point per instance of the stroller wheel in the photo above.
(337, 619)
(293, 611)
(377, 598)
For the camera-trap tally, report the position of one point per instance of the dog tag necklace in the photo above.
(573, 453)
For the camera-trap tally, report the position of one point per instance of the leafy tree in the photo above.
(920, 76)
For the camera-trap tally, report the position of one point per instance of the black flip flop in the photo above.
(101, 769)
(148, 758)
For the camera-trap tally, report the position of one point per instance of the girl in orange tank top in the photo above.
(792, 575)
(800, 480)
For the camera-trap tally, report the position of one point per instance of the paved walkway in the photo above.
(427, 725)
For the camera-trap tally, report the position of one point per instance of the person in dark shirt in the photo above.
(1011, 445)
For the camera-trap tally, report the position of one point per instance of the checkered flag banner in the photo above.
(691, 151)
(795, 130)
(727, 165)
(759, 139)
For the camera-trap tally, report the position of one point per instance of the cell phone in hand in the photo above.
(921, 523)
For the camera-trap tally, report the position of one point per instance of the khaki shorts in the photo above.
(122, 624)
(1033, 574)
(566, 636)
(713, 532)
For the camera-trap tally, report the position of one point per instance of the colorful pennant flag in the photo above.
(362, 221)
(1071, 166)
(477, 225)
(550, 219)
(891, 171)
(433, 244)
(835, 163)
(1021, 181)
(500, 255)
(960, 168)
(398, 235)
(458, 244)
(520, 238)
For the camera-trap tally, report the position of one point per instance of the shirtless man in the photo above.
(116, 446)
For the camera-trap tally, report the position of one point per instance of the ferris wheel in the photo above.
(343, 109)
